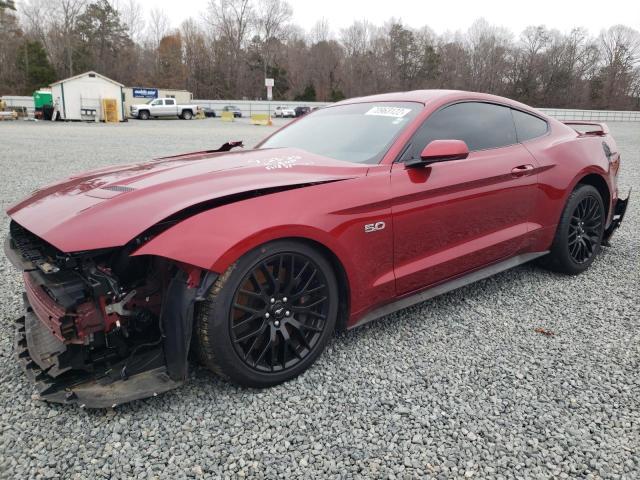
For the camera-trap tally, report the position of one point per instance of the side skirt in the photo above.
(448, 286)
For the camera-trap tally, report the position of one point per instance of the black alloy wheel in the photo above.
(269, 316)
(579, 233)
(279, 312)
(585, 229)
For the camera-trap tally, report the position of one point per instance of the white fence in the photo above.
(249, 107)
(595, 115)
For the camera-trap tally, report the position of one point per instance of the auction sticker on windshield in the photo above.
(395, 112)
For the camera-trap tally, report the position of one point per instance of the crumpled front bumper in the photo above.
(41, 355)
(67, 348)
(619, 209)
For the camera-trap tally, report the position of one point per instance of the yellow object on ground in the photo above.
(8, 115)
(261, 119)
(227, 116)
(110, 110)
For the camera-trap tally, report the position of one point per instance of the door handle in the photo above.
(522, 170)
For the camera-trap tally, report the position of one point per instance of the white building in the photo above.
(80, 97)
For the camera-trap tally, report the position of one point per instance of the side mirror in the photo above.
(440, 151)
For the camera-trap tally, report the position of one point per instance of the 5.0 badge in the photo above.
(374, 227)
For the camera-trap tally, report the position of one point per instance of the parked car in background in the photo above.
(237, 113)
(300, 111)
(163, 107)
(284, 112)
(208, 112)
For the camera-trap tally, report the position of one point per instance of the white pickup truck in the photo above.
(163, 107)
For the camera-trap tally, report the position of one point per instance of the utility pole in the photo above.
(269, 83)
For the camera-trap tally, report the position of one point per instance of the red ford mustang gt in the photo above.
(255, 257)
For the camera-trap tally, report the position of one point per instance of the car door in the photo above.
(455, 216)
(170, 107)
(155, 108)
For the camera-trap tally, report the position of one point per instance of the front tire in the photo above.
(579, 233)
(269, 316)
(143, 115)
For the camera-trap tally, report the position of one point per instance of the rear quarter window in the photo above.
(528, 126)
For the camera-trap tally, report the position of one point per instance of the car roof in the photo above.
(435, 95)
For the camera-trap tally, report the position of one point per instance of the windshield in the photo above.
(359, 132)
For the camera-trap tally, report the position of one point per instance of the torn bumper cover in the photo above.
(619, 210)
(74, 352)
(39, 353)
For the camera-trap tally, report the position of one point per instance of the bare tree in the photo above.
(527, 62)
(66, 14)
(230, 22)
(228, 54)
(158, 26)
(132, 16)
(172, 71)
(320, 32)
(635, 89)
(10, 36)
(356, 39)
(620, 46)
(620, 50)
(271, 24)
(358, 43)
(272, 18)
(198, 61)
(53, 24)
(489, 48)
(35, 17)
(324, 67)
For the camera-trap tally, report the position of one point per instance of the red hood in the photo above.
(108, 207)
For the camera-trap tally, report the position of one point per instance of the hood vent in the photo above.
(110, 191)
(118, 188)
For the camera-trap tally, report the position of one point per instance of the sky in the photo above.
(442, 16)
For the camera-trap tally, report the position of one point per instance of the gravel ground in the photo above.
(460, 386)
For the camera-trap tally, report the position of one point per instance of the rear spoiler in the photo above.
(600, 129)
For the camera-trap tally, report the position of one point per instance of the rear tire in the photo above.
(187, 115)
(579, 233)
(269, 316)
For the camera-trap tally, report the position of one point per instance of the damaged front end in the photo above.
(103, 327)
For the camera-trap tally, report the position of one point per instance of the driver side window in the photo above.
(480, 125)
(155, 103)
